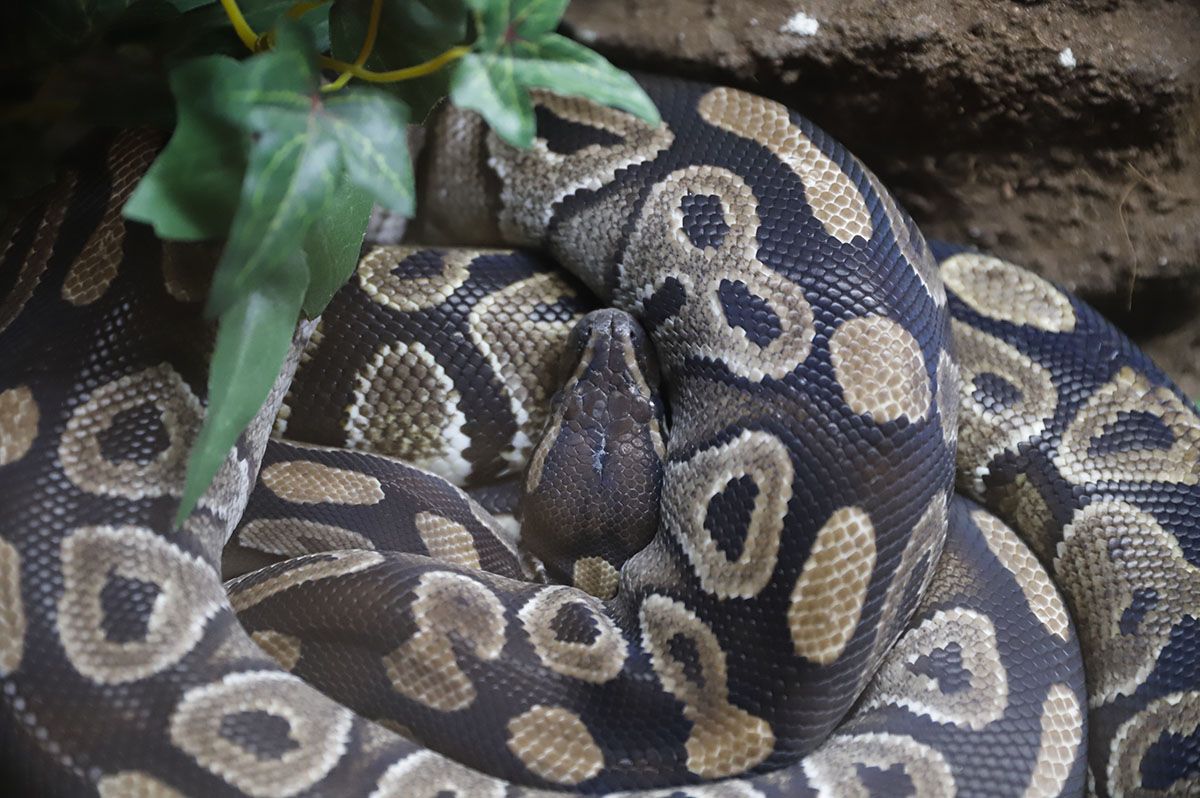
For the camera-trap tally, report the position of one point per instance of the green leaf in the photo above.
(333, 245)
(288, 181)
(492, 18)
(191, 190)
(557, 63)
(252, 341)
(410, 32)
(302, 142)
(487, 84)
(372, 129)
(516, 51)
(533, 19)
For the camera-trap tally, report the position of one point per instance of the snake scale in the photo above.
(766, 495)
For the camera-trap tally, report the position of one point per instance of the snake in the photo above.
(672, 461)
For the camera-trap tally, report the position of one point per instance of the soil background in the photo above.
(1062, 135)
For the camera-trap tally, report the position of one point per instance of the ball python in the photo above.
(819, 589)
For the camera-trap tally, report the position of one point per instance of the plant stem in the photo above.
(367, 46)
(255, 42)
(240, 26)
(396, 75)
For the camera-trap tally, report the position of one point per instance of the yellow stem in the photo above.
(364, 52)
(396, 75)
(255, 42)
(240, 26)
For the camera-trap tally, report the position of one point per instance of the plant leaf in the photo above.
(288, 181)
(372, 129)
(517, 50)
(486, 83)
(333, 244)
(252, 341)
(532, 19)
(557, 63)
(190, 192)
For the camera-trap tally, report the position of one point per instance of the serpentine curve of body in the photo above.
(816, 612)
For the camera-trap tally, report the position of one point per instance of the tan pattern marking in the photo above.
(725, 740)
(881, 369)
(377, 278)
(1040, 593)
(425, 668)
(983, 702)
(535, 180)
(660, 250)
(1130, 392)
(226, 497)
(427, 775)
(18, 423)
(598, 660)
(447, 541)
(282, 648)
(1177, 713)
(134, 784)
(179, 414)
(505, 327)
(828, 598)
(129, 157)
(555, 744)
(294, 537)
(1110, 553)
(987, 428)
(999, 290)
(317, 728)
(245, 592)
(12, 609)
(923, 545)
(308, 482)
(949, 388)
(405, 405)
(833, 769)
(1022, 503)
(1062, 733)
(597, 576)
(835, 200)
(689, 486)
(596, 228)
(188, 594)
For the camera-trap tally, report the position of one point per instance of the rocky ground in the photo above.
(1063, 135)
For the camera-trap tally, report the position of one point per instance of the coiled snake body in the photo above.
(767, 600)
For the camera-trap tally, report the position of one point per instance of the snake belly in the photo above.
(804, 337)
